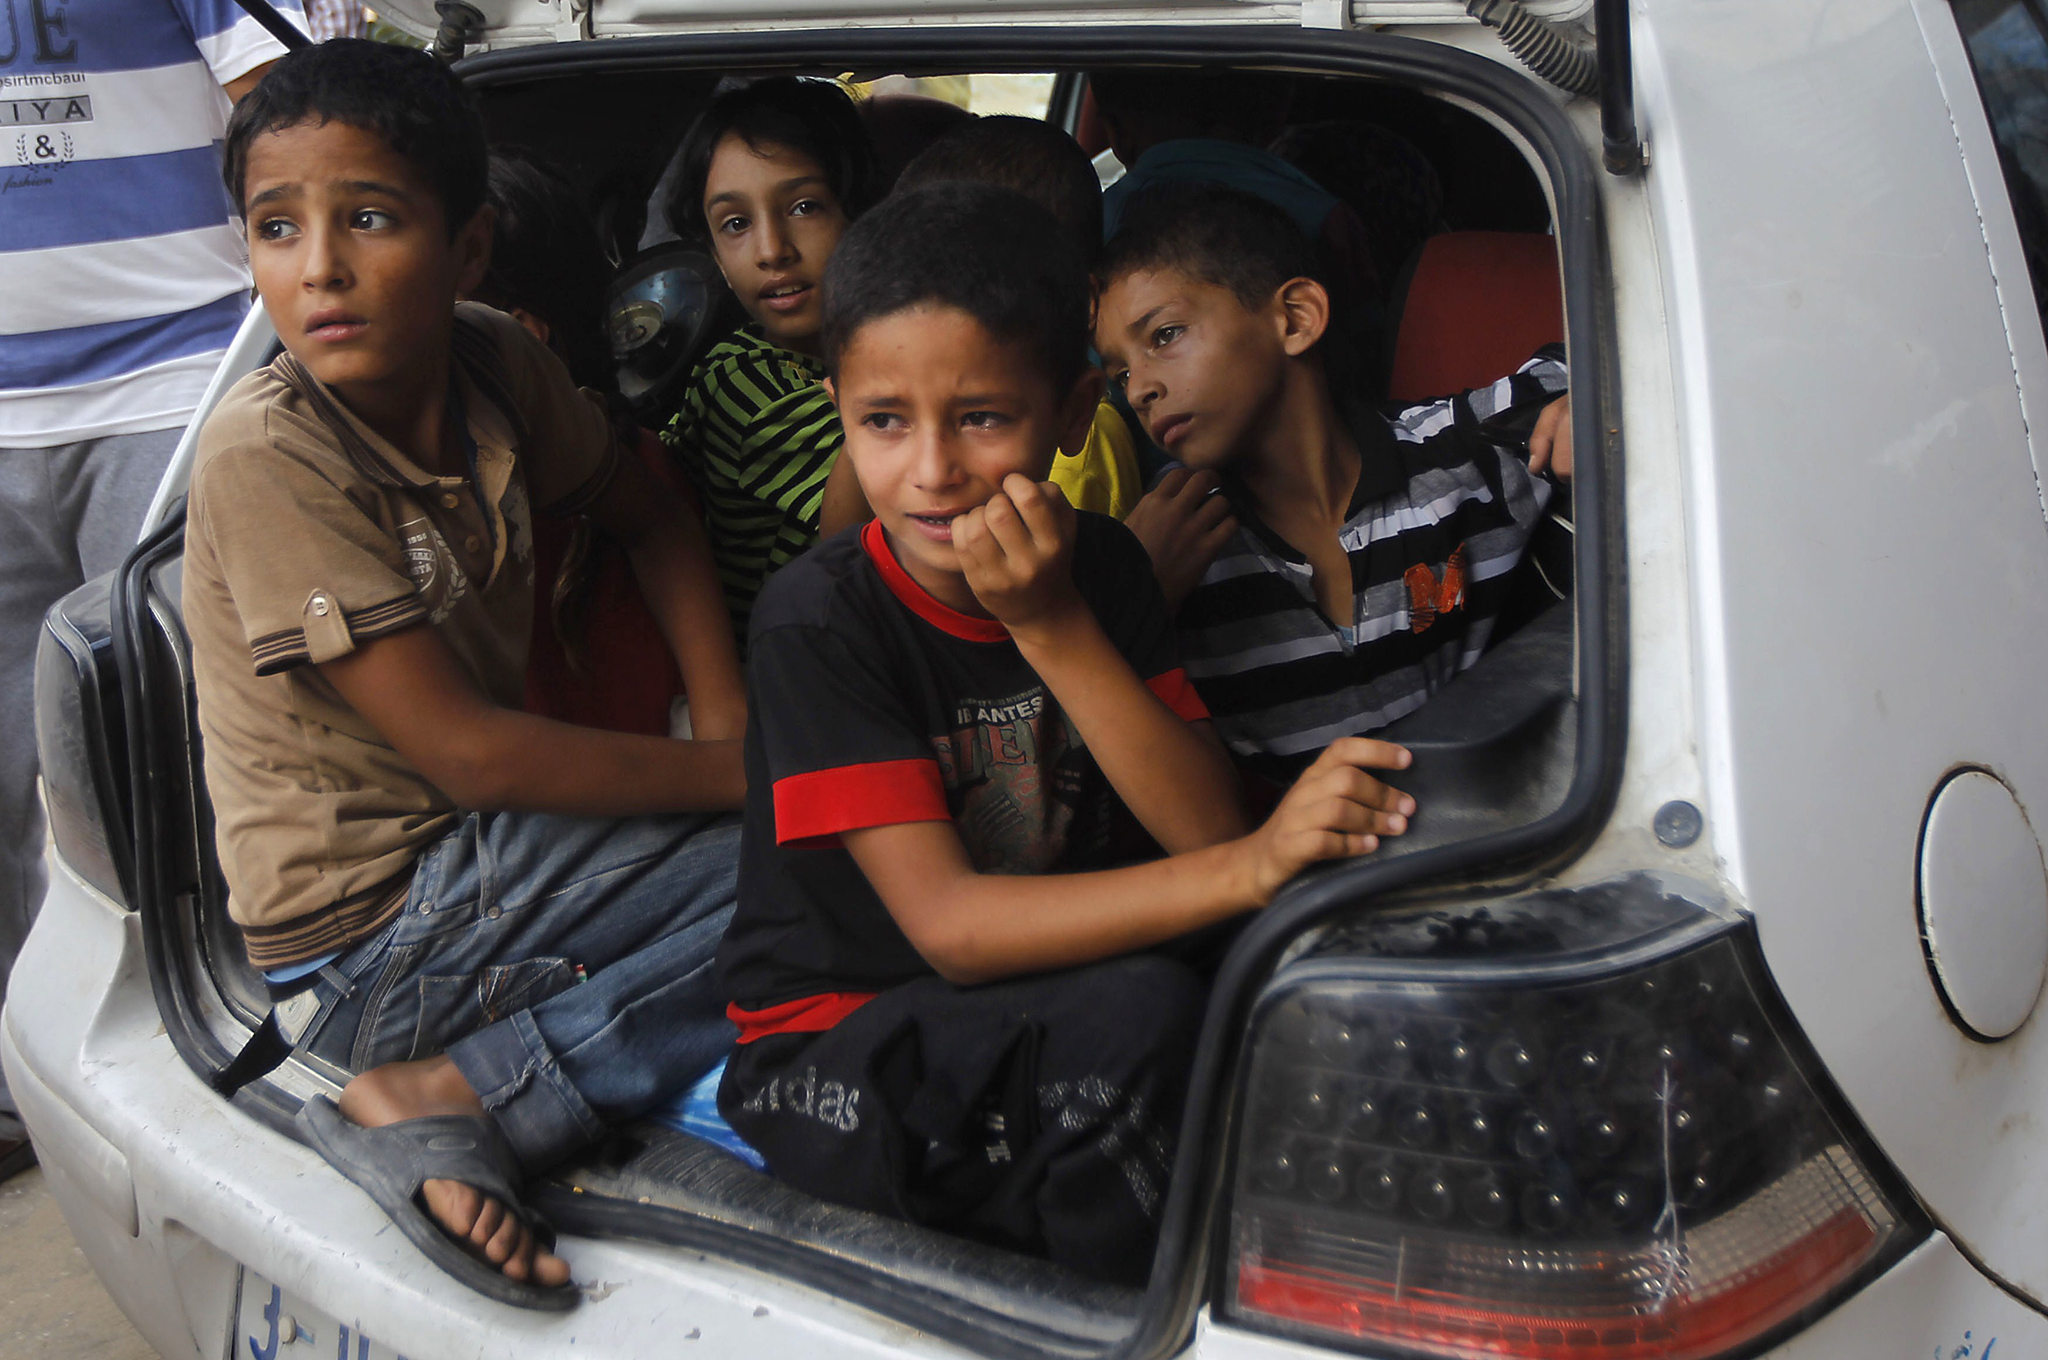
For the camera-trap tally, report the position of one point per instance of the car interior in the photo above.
(1461, 224)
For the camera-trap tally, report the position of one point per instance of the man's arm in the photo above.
(246, 82)
(1178, 783)
(486, 758)
(974, 927)
(679, 580)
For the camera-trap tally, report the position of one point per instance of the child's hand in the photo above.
(1550, 443)
(1334, 810)
(1183, 526)
(1015, 553)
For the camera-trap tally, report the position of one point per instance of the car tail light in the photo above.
(1573, 1124)
(79, 741)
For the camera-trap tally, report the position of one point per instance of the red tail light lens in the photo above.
(1575, 1125)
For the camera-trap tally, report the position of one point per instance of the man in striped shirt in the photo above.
(122, 278)
(1333, 568)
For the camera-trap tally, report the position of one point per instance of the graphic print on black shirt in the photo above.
(873, 704)
(1018, 785)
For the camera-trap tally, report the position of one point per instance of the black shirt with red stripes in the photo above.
(874, 704)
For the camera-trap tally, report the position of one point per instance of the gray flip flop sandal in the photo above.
(390, 1164)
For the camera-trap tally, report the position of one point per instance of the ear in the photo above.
(1077, 409)
(1301, 311)
(831, 391)
(473, 249)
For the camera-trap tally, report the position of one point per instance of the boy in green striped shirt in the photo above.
(774, 172)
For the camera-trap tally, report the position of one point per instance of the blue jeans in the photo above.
(565, 965)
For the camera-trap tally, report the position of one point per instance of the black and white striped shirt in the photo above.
(1439, 519)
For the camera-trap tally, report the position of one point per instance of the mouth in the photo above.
(786, 297)
(333, 325)
(1171, 430)
(936, 525)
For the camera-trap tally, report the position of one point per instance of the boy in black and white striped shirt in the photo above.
(1332, 568)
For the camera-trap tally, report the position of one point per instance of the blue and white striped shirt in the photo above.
(122, 274)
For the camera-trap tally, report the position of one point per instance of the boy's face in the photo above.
(352, 257)
(937, 413)
(774, 222)
(1199, 368)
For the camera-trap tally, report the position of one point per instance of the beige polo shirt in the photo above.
(309, 535)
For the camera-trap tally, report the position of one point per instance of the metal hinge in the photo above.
(576, 27)
(1326, 13)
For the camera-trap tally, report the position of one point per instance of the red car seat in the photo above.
(1478, 304)
(628, 676)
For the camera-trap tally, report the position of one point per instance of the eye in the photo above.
(276, 229)
(805, 207)
(1167, 334)
(882, 421)
(1120, 379)
(371, 219)
(732, 226)
(984, 420)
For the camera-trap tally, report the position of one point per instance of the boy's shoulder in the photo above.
(831, 585)
(265, 419)
(746, 364)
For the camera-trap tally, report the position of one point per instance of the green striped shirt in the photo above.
(757, 436)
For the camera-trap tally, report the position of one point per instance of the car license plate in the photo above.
(273, 1324)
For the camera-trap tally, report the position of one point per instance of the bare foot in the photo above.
(414, 1090)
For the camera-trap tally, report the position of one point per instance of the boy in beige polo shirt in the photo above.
(505, 924)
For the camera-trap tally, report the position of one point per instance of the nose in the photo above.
(325, 263)
(772, 244)
(933, 468)
(1142, 388)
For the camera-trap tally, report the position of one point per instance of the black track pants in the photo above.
(1038, 1115)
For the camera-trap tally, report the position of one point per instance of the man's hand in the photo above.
(1334, 810)
(1550, 443)
(1016, 553)
(1183, 526)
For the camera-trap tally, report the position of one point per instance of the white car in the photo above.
(1697, 1016)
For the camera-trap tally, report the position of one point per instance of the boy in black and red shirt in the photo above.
(960, 711)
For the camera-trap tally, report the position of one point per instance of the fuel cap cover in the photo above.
(1983, 905)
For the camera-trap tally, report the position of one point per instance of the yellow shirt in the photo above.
(1103, 476)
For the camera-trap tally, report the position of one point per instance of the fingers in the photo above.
(1042, 509)
(1365, 753)
(1007, 532)
(1550, 443)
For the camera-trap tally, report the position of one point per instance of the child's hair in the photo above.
(546, 259)
(814, 117)
(989, 252)
(405, 97)
(1219, 235)
(1028, 155)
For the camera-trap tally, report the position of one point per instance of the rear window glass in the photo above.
(2008, 44)
(1024, 95)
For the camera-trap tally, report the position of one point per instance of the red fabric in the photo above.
(812, 809)
(1177, 692)
(805, 1015)
(1480, 303)
(629, 675)
(919, 600)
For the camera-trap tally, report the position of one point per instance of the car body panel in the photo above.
(211, 1186)
(1869, 544)
(1807, 227)
(518, 23)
